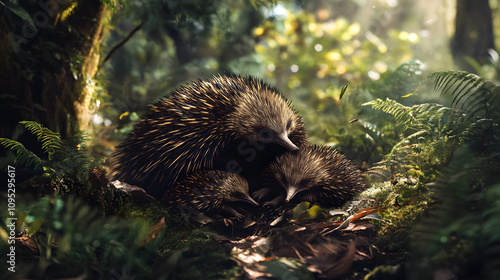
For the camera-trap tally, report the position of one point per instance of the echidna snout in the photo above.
(282, 139)
(241, 197)
(291, 191)
(268, 118)
(318, 174)
(213, 192)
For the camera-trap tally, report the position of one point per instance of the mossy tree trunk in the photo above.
(47, 68)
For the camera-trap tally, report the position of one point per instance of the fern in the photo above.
(51, 141)
(24, 157)
(468, 92)
(73, 240)
(66, 160)
(473, 116)
(425, 128)
(459, 233)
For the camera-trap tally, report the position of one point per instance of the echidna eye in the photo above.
(288, 125)
(265, 135)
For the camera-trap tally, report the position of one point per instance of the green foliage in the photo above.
(459, 234)
(372, 134)
(323, 51)
(429, 133)
(305, 211)
(65, 168)
(470, 93)
(73, 240)
(447, 156)
(24, 156)
(18, 10)
(65, 160)
(113, 4)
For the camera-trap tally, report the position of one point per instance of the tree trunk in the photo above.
(47, 69)
(473, 32)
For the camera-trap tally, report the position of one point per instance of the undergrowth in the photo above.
(439, 172)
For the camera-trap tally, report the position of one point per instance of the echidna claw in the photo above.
(236, 214)
(227, 222)
(258, 195)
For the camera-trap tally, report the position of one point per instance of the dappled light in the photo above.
(250, 139)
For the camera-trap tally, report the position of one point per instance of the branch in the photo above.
(119, 45)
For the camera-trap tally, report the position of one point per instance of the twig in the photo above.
(119, 45)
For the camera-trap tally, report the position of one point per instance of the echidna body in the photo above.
(213, 192)
(229, 123)
(318, 174)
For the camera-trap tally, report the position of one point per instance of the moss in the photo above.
(384, 272)
(379, 191)
(397, 234)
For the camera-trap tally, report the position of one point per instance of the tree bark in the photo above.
(473, 32)
(47, 69)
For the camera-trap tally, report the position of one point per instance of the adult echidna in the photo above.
(228, 123)
(214, 192)
(318, 174)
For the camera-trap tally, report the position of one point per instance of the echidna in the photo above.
(214, 192)
(229, 123)
(318, 174)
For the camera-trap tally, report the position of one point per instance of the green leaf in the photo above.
(300, 209)
(51, 141)
(24, 157)
(18, 10)
(317, 212)
(343, 90)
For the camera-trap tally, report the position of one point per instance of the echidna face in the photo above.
(304, 177)
(235, 189)
(265, 117)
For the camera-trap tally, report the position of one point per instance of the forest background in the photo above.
(95, 66)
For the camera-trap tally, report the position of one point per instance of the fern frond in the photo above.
(68, 164)
(24, 157)
(51, 141)
(78, 140)
(469, 93)
(80, 163)
(426, 129)
(434, 118)
(389, 106)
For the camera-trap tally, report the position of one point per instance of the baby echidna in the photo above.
(229, 123)
(213, 192)
(318, 174)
